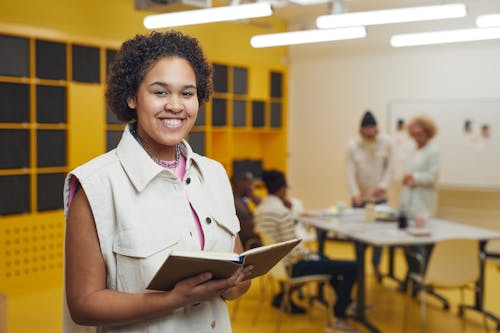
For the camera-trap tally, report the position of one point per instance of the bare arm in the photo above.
(91, 303)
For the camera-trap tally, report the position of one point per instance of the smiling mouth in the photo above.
(172, 123)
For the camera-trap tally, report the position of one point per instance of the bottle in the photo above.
(370, 214)
(402, 220)
(340, 207)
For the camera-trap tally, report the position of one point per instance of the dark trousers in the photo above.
(413, 264)
(343, 276)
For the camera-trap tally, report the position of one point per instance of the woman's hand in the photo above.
(409, 180)
(201, 288)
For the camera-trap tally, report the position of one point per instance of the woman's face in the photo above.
(166, 105)
(419, 135)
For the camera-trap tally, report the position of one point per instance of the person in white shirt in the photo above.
(421, 170)
(370, 162)
(276, 216)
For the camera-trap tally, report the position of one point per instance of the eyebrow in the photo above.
(163, 84)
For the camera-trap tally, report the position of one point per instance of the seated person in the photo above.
(276, 216)
(242, 183)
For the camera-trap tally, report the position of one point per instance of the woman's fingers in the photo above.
(201, 287)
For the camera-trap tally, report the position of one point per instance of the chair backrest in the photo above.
(453, 263)
(279, 271)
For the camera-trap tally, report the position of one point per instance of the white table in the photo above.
(355, 227)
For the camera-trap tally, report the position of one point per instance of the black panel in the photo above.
(14, 56)
(239, 114)
(197, 142)
(14, 102)
(240, 80)
(50, 189)
(14, 149)
(253, 166)
(220, 78)
(219, 112)
(50, 104)
(86, 64)
(14, 194)
(111, 117)
(258, 114)
(202, 114)
(276, 84)
(276, 115)
(50, 60)
(112, 139)
(51, 148)
(110, 56)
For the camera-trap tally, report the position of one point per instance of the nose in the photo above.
(174, 105)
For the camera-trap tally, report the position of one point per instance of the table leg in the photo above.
(479, 292)
(321, 237)
(390, 273)
(360, 315)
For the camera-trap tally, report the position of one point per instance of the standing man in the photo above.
(369, 170)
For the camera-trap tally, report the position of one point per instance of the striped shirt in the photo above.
(278, 222)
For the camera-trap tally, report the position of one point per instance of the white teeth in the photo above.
(172, 122)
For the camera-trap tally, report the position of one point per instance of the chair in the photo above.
(453, 263)
(249, 244)
(282, 275)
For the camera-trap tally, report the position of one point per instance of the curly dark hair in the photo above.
(139, 54)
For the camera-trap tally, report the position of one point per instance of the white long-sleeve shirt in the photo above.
(424, 165)
(369, 165)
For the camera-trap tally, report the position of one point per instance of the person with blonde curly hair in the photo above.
(127, 209)
(421, 169)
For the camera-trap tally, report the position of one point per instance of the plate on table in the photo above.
(419, 232)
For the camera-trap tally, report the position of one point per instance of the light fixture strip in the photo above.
(307, 36)
(208, 15)
(488, 20)
(398, 15)
(445, 36)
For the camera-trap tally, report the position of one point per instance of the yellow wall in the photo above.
(116, 20)
(31, 244)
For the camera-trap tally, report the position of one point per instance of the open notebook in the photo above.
(180, 265)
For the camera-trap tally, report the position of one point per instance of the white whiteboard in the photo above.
(469, 157)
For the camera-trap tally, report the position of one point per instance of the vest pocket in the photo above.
(222, 232)
(137, 263)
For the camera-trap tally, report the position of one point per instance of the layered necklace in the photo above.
(165, 164)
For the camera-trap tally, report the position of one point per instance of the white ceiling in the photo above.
(296, 14)
(303, 17)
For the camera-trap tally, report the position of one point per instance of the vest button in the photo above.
(188, 180)
(208, 220)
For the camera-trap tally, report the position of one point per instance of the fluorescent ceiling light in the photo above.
(446, 36)
(309, 2)
(307, 36)
(208, 15)
(488, 20)
(410, 14)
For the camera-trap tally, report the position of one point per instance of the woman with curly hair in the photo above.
(419, 196)
(421, 169)
(126, 210)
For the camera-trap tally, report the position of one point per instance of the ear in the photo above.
(131, 102)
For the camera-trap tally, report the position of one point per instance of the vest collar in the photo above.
(139, 166)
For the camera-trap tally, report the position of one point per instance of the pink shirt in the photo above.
(180, 171)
